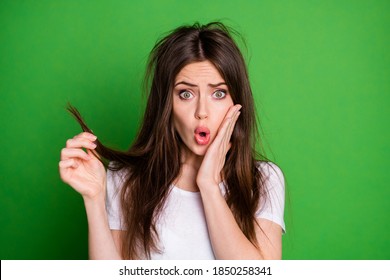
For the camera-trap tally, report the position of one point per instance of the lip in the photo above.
(202, 135)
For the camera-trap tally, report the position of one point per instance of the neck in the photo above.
(190, 164)
(190, 159)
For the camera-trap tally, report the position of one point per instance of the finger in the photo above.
(69, 163)
(80, 143)
(232, 124)
(229, 146)
(93, 153)
(230, 117)
(225, 144)
(86, 135)
(222, 132)
(230, 127)
(67, 153)
(232, 110)
(219, 138)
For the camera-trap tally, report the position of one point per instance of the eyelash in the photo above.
(220, 90)
(181, 93)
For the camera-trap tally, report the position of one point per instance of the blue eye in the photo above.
(219, 94)
(185, 94)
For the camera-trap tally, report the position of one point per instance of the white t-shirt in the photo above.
(182, 227)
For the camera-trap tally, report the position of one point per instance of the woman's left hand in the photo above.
(210, 170)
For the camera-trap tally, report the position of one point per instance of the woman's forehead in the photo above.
(199, 72)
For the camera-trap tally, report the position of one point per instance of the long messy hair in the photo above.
(153, 161)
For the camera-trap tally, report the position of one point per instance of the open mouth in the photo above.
(202, 135)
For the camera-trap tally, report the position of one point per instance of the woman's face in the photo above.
(201, 100)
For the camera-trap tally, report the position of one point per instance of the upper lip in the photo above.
(202, 129)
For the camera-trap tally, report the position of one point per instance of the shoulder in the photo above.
(115, 179)
(272, 200)
(115, 182)
(271, 174)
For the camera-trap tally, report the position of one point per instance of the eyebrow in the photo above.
(193, 85)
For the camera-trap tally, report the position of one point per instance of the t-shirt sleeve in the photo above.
(114, 213)
(273, 207)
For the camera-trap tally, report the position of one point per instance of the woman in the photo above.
(189, 187)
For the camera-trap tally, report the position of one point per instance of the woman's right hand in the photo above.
(82, 170)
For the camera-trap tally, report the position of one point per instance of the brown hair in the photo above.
(153, 161)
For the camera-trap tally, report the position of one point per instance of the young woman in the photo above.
(190, 186)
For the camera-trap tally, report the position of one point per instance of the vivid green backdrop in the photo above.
(319, 71)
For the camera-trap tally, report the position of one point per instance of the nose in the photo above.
(201, 109)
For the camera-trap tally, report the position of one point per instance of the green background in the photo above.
(319, 72)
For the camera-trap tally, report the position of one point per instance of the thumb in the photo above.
(93, 154)
(229, 146)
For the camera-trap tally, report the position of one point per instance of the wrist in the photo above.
(96, 199)
(207, 181)
(209, 188)
(95, 192)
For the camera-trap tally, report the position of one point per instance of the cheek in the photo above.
(221, 111)
(179, 120)
(182, 112)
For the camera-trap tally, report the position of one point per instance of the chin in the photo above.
(199, 150)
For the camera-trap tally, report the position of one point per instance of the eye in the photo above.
(219, 94)
(185, 94)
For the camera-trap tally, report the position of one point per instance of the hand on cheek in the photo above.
(210, 170)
